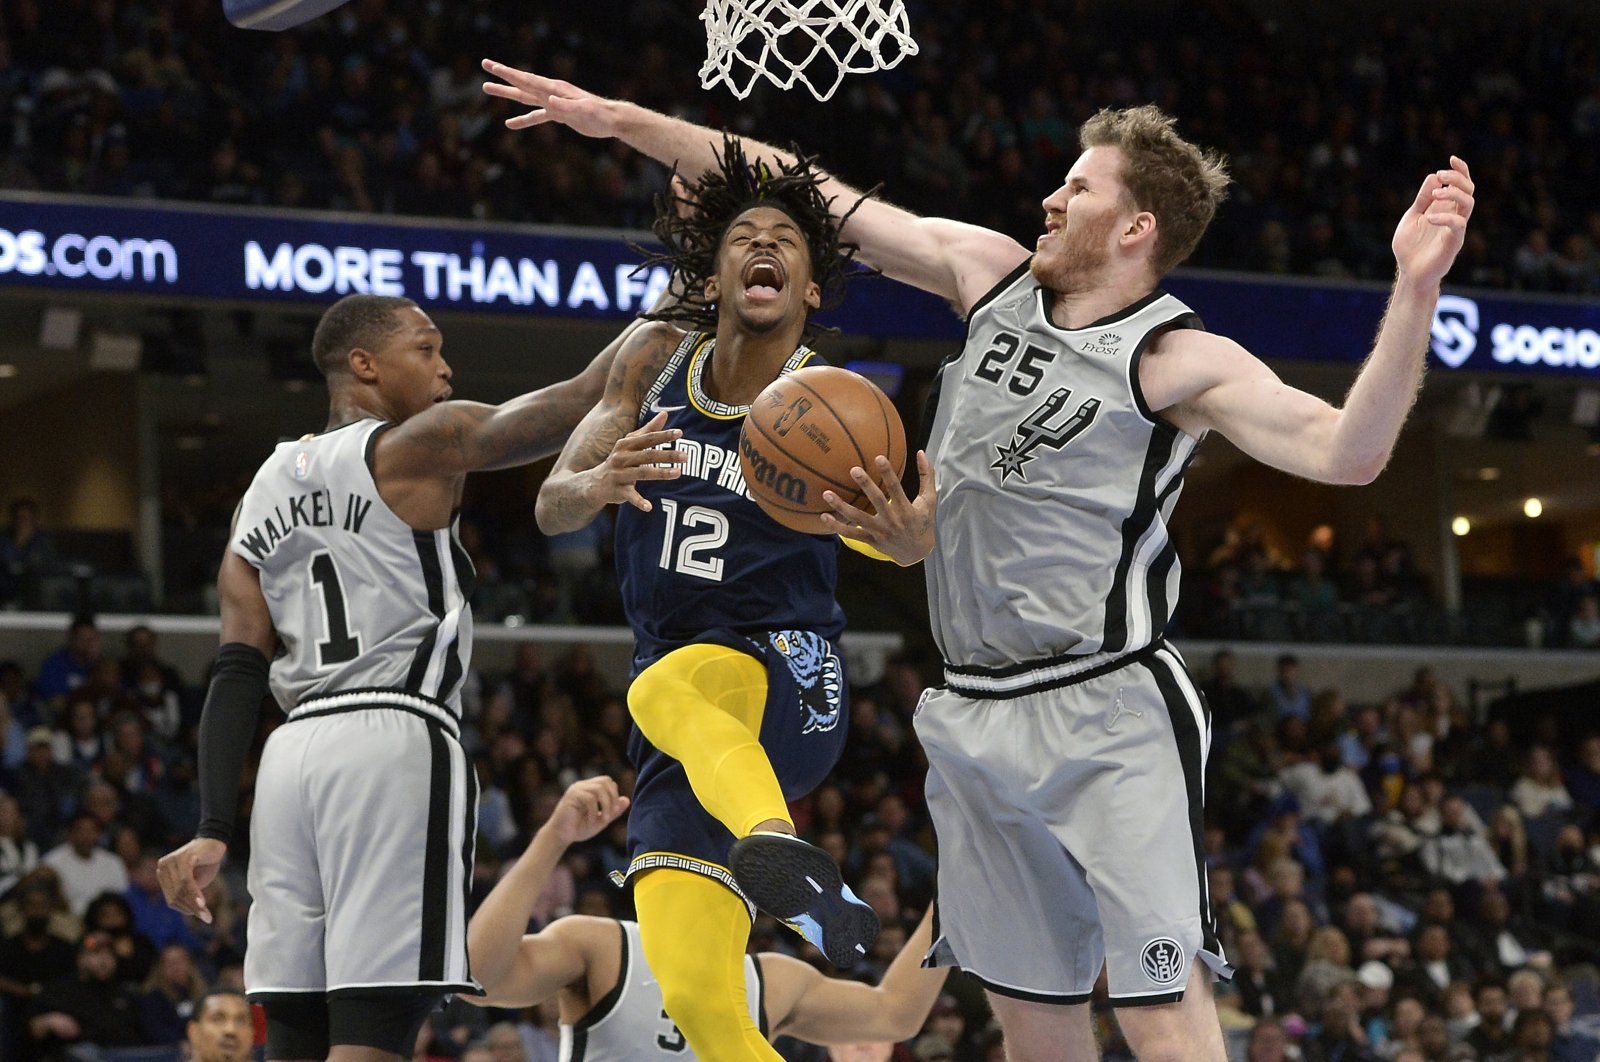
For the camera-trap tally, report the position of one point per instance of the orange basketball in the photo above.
(804, 434)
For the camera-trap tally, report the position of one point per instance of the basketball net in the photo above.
(781, 39)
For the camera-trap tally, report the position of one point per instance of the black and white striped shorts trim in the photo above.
(1038, 676)
(360, 700)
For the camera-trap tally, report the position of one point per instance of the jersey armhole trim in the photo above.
(606, 1004)
(995, 292)
(370, 448)
(664, 377)
(761, 999)
(1186, 319)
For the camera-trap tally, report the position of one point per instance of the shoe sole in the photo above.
(787, 879)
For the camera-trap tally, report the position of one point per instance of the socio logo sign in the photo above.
(1455, 330)
(1458, 322)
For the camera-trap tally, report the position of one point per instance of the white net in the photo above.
(814, 42)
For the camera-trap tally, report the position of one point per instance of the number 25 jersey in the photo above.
(706, 558)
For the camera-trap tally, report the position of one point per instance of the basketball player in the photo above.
(221, 1028)
(344, 548)
(738, 699)
(1068, 743)
(610, 1002)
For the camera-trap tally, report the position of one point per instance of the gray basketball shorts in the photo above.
(361, 846)
(1067, 800)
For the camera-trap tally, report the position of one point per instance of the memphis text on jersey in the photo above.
(309, 509)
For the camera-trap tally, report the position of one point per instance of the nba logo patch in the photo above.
(302, 464)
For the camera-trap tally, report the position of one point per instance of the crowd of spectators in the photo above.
(1394, 881)
(1330, 120)
(1244, 587)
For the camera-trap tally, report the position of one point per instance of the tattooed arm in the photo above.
(608, 453)
(453, 438)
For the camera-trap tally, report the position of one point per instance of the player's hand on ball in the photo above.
(637, 456)
(552, 100)
(899, 527)
(185, 873)
(586, 808)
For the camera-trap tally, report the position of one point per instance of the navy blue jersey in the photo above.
(706, 558)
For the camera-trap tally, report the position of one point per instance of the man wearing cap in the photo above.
(1374, 980)
(89, 1007)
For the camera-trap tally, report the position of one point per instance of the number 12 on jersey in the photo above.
(692, 554)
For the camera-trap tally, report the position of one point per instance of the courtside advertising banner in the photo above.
(262, 256)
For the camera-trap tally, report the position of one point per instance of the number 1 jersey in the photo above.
(361, 600)
(706, 558)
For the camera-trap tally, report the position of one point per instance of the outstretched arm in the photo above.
(453, 438)
(609, 454)
(828, 1010)
(956, 261)
(1214, 384)
(518, 970)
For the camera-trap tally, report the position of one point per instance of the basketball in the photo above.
(804, 434)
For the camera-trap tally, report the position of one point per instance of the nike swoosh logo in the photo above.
(657, 407)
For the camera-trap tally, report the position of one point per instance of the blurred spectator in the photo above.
(1567, 1044)
(45, 789)
(1459, 852)
(1286, 695)
(1492, 1034)
(25, 555)
(89, 1007)
(86, 870)
(152, 918)
(110, 916)
(1539, 789)
(1328, 790)
(153, 683)
(170, 994)
(221, 1027)
(30, 958)
(70, 666)
(19, 855)
(1231, 705)
(1583, 630)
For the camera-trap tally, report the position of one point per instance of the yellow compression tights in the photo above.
(694, 932)
(702, 705)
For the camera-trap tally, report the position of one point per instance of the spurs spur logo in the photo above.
(1036, 430)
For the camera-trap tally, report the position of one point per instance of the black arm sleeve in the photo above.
(227, 728)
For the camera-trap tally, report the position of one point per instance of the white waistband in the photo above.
(340, 702)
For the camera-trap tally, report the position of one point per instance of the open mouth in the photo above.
(443, 396)
(763, 279)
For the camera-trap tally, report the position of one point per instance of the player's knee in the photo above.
(650, 697)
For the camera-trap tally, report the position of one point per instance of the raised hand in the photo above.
(552, 100)
(586, 808)
(636, 456)
(1431, 234)
(899, 527)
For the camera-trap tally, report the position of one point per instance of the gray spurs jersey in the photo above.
(1055, 481)
(630, 1023)
(361, 601)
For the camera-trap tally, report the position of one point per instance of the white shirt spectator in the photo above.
(85, 877)
(1327, 795)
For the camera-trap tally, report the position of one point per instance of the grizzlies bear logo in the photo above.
(817, 675)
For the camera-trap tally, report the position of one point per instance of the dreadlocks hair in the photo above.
(692, 226)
